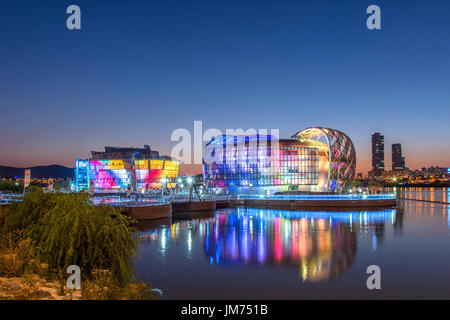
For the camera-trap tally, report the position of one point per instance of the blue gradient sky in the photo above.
(140, 69)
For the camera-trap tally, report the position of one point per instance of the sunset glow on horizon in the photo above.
(137, 71)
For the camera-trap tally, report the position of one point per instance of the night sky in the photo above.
(140, 69)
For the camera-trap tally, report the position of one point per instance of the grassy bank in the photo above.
(11, 186)
(2, 215)
(47, 232)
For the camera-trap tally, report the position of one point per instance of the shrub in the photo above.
(2, 215)
(27, 213)
(69, 230)
(15, 187)
(17, 255)
(102, 287)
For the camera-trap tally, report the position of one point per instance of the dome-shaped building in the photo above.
(314, 160)
(341, 153)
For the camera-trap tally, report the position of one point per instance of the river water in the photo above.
(252, 253)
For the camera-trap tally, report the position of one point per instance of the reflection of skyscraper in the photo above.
(377, 154)
(398, 222)
(398, 161)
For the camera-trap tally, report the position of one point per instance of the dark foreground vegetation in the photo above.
(47, 232)
(11, 186)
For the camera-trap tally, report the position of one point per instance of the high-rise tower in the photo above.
(398, 161)
(377, 154)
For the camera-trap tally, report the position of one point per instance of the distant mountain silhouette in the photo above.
(53, 171)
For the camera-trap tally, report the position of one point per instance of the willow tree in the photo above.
(69, 230)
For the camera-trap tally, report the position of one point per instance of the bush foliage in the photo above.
(11, 186)
(68, 230)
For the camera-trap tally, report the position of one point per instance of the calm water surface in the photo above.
(251, 253)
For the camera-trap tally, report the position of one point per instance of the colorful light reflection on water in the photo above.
(249, 253)
(319, 244)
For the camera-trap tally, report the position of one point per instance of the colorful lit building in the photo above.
(314, 160)
(116, 169)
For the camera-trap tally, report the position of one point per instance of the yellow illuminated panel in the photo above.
(170, 169)
(156, 164)
(141, 164)
(114, 165)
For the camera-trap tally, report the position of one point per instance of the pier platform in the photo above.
(148, 212)
(308, 201)
(189, 209)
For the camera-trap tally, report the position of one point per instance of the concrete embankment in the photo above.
(188, 209)
(283, 204)
(192, 209)
(175, 209)
(148, 212)
(193, 206)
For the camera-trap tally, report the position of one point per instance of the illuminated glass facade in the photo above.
(261, 163)
(81, 175)
(150, 172)
(258, 162)
(131, 168)
(118, 174)
(341, 154)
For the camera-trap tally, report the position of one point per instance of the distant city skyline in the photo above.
(138, 70)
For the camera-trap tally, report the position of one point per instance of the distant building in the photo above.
(398, 161)
(117, 168)
(395, 175)
(126, 153)
(377, 154)
(430, 172)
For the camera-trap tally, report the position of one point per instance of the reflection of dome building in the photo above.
(320, 244)
(320, 248)
(316, 159)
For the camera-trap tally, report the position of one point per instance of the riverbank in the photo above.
(2, 215)
(24, 277)
(32, 287)
(45, 233)
(35, 287)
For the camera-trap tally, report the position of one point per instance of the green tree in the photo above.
(11, 186)
(69, 230)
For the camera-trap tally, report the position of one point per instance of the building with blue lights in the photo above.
(313, 160)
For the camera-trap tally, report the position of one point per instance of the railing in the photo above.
(153, 199)
(118, 201)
